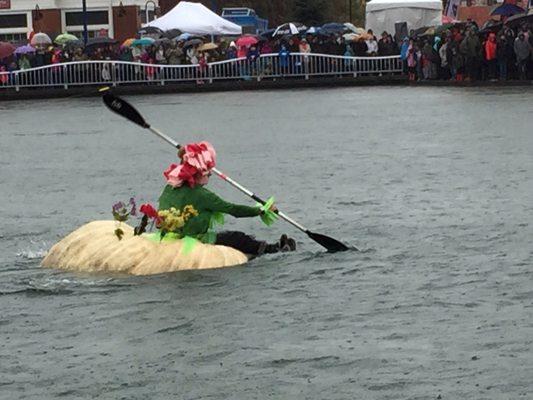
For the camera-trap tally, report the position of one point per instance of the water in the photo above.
(434, 185)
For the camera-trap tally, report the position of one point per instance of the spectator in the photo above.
(522, 50)
(491, 55)
(371, 44)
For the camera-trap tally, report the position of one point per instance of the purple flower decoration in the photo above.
(118, 206)
(133, 207)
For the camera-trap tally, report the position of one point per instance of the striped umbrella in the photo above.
(290, 28)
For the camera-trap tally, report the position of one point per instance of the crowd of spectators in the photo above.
(461, 52)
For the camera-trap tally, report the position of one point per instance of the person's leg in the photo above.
(249, 245)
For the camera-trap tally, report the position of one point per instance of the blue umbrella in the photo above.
(184, 36)
(507, 10)
(334, 27)
(143, 42)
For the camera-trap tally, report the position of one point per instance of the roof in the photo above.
(197, 19)
(376, 5)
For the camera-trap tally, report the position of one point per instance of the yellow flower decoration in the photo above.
(173, 219)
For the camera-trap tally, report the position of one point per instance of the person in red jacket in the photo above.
(491, 55)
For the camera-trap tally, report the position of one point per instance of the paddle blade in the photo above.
(327, 242)
(123, 108)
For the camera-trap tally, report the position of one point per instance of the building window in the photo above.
(93, 18)
(151, 16)
(98, 21)
(13, 21)
(14, 37)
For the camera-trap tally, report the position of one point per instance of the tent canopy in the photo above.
(376, 5)
(382, 15)
(197, 19)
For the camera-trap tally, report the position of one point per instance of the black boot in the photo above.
(286, 243)
(271, 248)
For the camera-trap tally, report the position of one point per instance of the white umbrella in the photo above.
(290, 28)
(351, 27)
(40, 39)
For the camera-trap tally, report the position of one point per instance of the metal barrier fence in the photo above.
(268, 66)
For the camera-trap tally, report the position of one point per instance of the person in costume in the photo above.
(186, 186)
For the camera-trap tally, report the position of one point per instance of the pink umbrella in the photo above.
(245, 41)
(6, 49)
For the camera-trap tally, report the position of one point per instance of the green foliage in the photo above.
(311, 12)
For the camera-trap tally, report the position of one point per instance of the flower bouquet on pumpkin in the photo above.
(121, 213)
(167, 221)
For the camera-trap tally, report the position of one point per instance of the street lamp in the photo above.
(146, 9)
(85, 32)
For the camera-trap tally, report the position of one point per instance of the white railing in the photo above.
(271, 66)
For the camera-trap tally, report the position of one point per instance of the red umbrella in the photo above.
(6, 49)
(245, 41)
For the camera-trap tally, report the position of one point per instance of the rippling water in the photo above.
(435, 186)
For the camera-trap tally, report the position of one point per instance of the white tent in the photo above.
(381, 15)
(197, 19)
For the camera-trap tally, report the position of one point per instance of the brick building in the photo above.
(120, 19)
(479, 10)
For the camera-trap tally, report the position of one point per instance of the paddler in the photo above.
(186, 186)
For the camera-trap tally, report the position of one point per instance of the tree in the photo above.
(311, 12)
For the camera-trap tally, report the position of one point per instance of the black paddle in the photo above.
(123, 108)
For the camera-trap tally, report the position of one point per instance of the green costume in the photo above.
(210, 208)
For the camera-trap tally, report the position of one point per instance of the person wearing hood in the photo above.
(470, 48)
(522, 50)
(444, 63)
(186, 189)
(284, 59)
(505, 56)
(404, 50)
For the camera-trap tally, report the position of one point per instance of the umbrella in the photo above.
(351, 37)
(289, 28)
(25, 49)
(334, 27)
(151, 31)
(266, 35)
(192, 42)
(145, 41)
(163, 40)
(100, 41)
(352, 27)
(507, 10)
(491, 26)
(518, 19)
(429, 31)
(65, 38)
(313, 30)
(184, 36)
(6, 49)
(172, 33)
(40, 39)
(128, 42)
(245, 41)
(207, 46)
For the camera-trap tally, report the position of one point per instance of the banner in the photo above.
(451, 8)
(5, 4)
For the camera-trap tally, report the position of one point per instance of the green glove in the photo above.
(267, 215)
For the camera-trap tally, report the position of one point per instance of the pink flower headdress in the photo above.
(197, 162)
